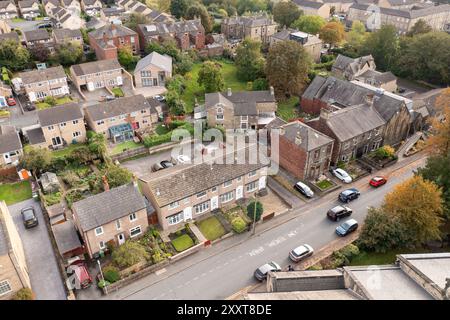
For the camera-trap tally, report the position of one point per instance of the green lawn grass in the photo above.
(119, 148)
(17, 19)
(211, 228)
(375, 258)
(44, 105)
(288, 110)
(324, 184)
(161, 129)
(64, 152)
(117, 92)
(182, 243)
(193, 90)
(15, 192)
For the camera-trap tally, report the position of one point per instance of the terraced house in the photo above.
(60, 126)
(39, 84)
(67, 35)
(8, 10)
(120, 118)
(186, 192)
(97, 74)
(91, 7)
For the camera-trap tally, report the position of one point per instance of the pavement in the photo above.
(45, 278)
(201, 276)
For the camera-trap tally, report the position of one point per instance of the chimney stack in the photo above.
(325, 113)
(272, 92)
(298, 139)
(229, 92)
(369, 99)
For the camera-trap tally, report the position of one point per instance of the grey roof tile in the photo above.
(113, 108)
(58, 114)
(66, 236)
(9, 139)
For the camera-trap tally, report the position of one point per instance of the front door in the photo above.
(239, 192)
(121, 239)
(262, 182)
(187, 213)
(214, 202)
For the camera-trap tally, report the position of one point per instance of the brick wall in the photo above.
(292, 158)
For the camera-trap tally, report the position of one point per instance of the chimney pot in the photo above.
(272, 92)
(229, 92)
(157, 192)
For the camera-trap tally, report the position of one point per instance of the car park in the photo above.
(304, 189)
(300, 253)
(29, 217)
(261, 272)
(377, 181)
(349, 195)
(162, 165)
(339, 212)
(347, 227)
(10, 101)
(341, 175)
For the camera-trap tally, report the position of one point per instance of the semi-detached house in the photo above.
(97, 74)
(10, 145)
(8, 10)
(39, 84)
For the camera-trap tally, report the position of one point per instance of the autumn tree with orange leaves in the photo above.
(439, 141)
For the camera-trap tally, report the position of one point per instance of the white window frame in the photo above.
(253, 184)
(201, 207)
(4, 285)
(98, 233)
(76, 134)
(214, 189)
(227, 197)
(133, 229)
(228, 183)
(201, 194)
(175, 218)
(132, 217)
(102, 245)
(118, 224)
(174, 205)
(75, 122)
(252, 174)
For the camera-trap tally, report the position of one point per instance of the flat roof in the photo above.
(435, 266)
(342, 294)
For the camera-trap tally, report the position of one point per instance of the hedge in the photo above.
(238, 224)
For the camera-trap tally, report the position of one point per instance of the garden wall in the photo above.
(130, 153)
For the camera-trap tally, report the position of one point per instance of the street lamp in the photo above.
(103, 278)
(254, 215)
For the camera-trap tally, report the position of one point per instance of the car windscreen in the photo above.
(28, 214)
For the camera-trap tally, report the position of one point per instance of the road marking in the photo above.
(160, 271)
(257, 251)
(276, 241)
(226, 263)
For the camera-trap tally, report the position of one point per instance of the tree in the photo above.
(417, 204)
(382, 232)
(36, 159)
(13, 56)
(249, 60)
(383, 45)
(126, 58)
(309, 24)
(168, 47)
(356, 36)
(174, 102)
(287, 68)
(199, 10)
(419, 27)
(332, 33)
(97, 145)
(69, 53)
(439, 141)
(260, 84)
(117, 176)
(178, 8)
(210, 77)
(251, 210)
(40, 52)
(129, 253)
(23, 294)
(251, 6)
(134, 19)
(285, 13)
(183, 65)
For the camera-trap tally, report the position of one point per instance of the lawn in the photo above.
(17, 20)
(117, 92)
(324, 184)
(15, 192)
(374, 258)
(193, 90)
(182, 243)
(67, 150)
(211, 228)
(161, 129)
(288, 110)
(119, 148)
(59, 101)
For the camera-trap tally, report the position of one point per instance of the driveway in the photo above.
(45, 278)
(24, 25)
(150, 91)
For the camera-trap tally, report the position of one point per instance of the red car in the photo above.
(11, 101)
(80, 269)
(377, 181)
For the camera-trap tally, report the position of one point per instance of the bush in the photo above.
(155, 140)
(111, 274)
(52, 198)
(71, 178)
(385, 152)
(157, 256)
(129, 254)
(327, 58)
(251, 210)
(349, 251)
(260, 84)
(23, 294)
(103, 283)
(238, 224)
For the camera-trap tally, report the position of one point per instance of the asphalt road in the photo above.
(220, 275)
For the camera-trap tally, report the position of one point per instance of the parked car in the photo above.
(377, 181)
(304, 189)
(29, 106)
(10, 101)
(29, 217)
(261, 272)
(339, 212)
(45, 26)
(347, 227)
(83, 278)
(301, 253)
(46, 19)
(349, 195)
(341, 175)
(181, 159)
(160, 98)
(162, 165)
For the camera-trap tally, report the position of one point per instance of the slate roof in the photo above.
(163, 28)
(162, 61)
(112, 31)
(66, 237)
(90, 3)
(9, 139)
(36, 136)
(96, 66)
(62, 34)
(42, 75)
(179, 182)
(35, 35)
(410, 14)
(4, 4)
(308, 4)
(354, 64)
(116, 107)
(244, 102)
(251, 21)
(310, 138)
(379, 77)
(58, 114)
(9, 36)
(26, 3)
(109, 12)
(108, 206)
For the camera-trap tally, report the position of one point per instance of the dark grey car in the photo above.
(29, 217)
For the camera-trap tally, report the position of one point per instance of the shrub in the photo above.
(50, 100)
(52, 198)
(327, 58)
(157, 256)
(238, 224)
(23, 294)
(385, 152)
(103, 283)
(129, 254)
(111, 274)
(260, 84)
(349, 251)
(71, 178)
(251, 210)
(155, 140)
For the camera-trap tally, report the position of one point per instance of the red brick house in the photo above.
(108, 39)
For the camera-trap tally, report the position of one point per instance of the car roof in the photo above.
(337, 209)
(377, 178)
(300, 250)
(301, 184)
(342, 171)
(267, 267)
(350, 222)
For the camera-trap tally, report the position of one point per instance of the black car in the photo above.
(349, 195)
(347, 227)
(29, 106)
(162, 165)
(339, 212)
(29, 217)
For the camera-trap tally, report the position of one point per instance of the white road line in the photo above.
(160, 271)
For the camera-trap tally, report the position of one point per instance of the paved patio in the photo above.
(150, 91)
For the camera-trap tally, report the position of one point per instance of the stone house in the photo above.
(187, 192)
(91, 7)
(29, 8)
(110, 218)
(62, 125)
(67, 19)
(10, 145)
(312, 8)
(9, 36)
(304, 151)
(108, 39)
(50, 5)
(189, 34)
(38, 36)
(39, 84)
(97, 74)
(8, 10)
(118, 119)
(14, 270)
(394, 109)
(311, 43)
(240, 110)
(153, 70)
(61, 36)
(73, 6)
(112, 14)
(257, 27)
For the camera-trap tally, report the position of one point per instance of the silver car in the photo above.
(300, 253)
(261, 272)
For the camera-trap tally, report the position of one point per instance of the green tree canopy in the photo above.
(251, 6)
(285, 13)
(199, 10)
(69, 53)
(356, 36)
(129, 254)
(178, 8)
(210, 77)
(383, 45)
(255, 210)
(13, 56)
(134, 19)
(420, 27)
(309, 24)
(249, 60)
(332, 33)
(126, 57)
(36, 159)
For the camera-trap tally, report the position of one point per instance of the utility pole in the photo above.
(101, 273)
(254, 214)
